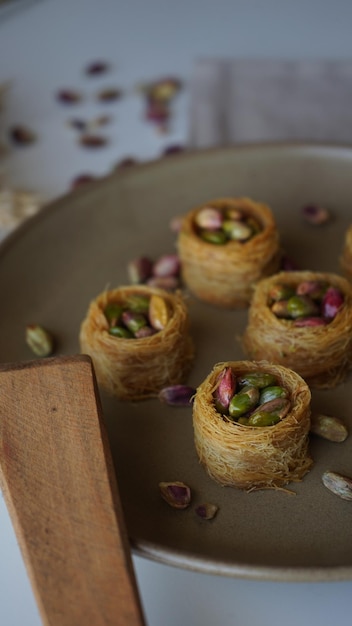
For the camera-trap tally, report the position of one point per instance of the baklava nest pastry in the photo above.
(346, 256)
(139, 340)
(251, 424)
(303, 320)
(225, 247)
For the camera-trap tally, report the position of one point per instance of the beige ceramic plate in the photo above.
(56, 263)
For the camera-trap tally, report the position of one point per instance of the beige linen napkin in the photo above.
(249, 100)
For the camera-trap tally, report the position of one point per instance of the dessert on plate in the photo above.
(139, 340)
(303, 320)
(251, 424)
(225, 247)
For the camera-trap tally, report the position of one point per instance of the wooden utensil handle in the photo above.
(60, 488)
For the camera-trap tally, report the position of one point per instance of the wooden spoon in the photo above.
(59, 485)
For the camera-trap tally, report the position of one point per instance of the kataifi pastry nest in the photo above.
(224, 275)
(322, 355)
(251, 457)
(135, 369)
(346, 256)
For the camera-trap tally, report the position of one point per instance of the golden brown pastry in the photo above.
(303, 320)
(139, 340)
(235, 453)
(225, 247)
(346, 257)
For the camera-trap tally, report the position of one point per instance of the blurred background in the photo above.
(75, 76)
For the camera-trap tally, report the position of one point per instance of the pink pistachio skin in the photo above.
(225, 389)
(332, 302)
(176, 494)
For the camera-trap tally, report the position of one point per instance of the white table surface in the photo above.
(44, 45)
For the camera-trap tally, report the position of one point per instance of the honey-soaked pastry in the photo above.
(346, 256)
(139, 340)
(251, 425)
(225, 247)
(303, 320)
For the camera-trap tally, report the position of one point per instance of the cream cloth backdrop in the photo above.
(262, 100)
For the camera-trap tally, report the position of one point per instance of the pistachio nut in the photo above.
(133, 321)
(302, 306)
(236, 230)
(313, 288)
(137, 303)
(139, 270)
(328, 427)
(145, 331)
(120, 331)
(225, 389)
(209, 218)
(309, 322)
(280, 292)
(177, 395)
(280, 309)
(272, 393)
(263, 418)
(316, 214)
(113, 313)
(177, 494)
(207, 510)
(39, 340)
(159, 313)
(167, 265)
(217, 237)
(338, 484)
(278, 408)
(258, 379)
(169, 283)
(243, 401)
(332, 303)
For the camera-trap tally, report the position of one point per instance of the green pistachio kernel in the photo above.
(113, 312)
(243, 421)
(280, 309)
(120, 331)
(278, 407)
(258, 379)
(271, 393)
(243, 401)
(281, 292)
(214, 236)
(263, 418)
(236, 230)
(133, 321)
(301, 306)
(138, 303)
